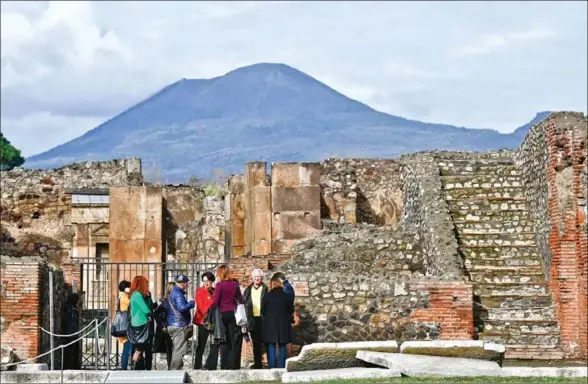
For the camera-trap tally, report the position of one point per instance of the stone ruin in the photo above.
(433, 245)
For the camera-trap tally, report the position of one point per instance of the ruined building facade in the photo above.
(433, 245)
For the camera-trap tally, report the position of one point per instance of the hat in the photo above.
(181, 278)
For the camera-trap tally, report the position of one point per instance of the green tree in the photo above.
(10, 157)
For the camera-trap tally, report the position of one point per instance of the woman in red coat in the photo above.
(204, 297)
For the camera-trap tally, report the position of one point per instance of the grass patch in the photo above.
(449, 380)
(462, 380)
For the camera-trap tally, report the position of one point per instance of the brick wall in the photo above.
(20, 308)
(450, 305)
(242, 266)
(566, 167)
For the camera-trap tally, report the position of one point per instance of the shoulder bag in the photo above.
(120, 324)
(240, 313)
(189, 329)
(139, 334)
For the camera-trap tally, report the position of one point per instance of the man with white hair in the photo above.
(253, 297)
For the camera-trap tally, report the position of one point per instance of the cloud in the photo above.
(66, 66)
(494, 42)
(39, 131)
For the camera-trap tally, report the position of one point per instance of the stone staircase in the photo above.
(496, 239)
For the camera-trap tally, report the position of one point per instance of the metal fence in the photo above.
(99, 286)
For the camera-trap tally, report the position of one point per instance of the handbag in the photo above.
(189, 329)
(138, 335)
(241, 315)
(120, 324)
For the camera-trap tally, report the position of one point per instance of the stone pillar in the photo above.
(295, 203)
(235, 214)
(136, 215)
(566, 177)
(258, 231)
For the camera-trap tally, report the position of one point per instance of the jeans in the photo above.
(126, 354)
(271, 355)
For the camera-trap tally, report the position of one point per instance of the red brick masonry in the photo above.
(20, 307)
(450, 305)
(568, 247)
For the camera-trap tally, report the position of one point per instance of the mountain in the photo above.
(263, 112)
(521, 131)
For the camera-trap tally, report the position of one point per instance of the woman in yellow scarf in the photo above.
(124, 287)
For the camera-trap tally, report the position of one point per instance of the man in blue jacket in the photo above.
(179, 324)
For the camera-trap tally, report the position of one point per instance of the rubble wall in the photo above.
(361, 190)
(361, 282)
(35, 206)
(427, 213)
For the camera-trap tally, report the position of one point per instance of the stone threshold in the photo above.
(192, 376)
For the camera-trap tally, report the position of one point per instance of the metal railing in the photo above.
(63, 346)
(99, 286)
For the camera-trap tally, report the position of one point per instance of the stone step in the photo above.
(480, 181)
(500, 252)
(146, 377)
(538, 352)
(487, 204)
(449, 168)
(525, 239)
(518, 301)
(505, 157)
(475, 227)
(426, 366)
(520, 327)
(521, 314)
(509, 275)
(497, 262)
(484, 193)
(462, 215)
(492, 289)
(527, 339)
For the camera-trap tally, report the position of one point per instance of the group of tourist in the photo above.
(263, 316)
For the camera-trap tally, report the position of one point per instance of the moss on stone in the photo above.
(332, 358)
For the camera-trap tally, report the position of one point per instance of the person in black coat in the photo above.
(162, 342)
(277, 310)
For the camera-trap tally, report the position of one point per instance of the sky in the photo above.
(66, 67)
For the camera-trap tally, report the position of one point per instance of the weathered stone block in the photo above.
(298, 225)
(238, 233)
(282, 247)
(262, 224)
(261, 199)
(430, 366)
(471, 349)
(305, 199)
(319, 356)
(126, 251)
(255, 174)
(310, 173)
(286, 174)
